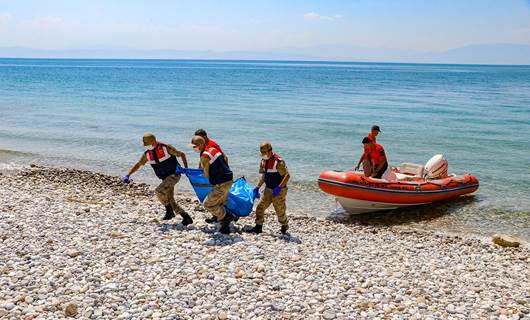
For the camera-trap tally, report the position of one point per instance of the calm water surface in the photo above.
(92, 113)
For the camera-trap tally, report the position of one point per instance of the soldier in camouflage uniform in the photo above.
(220, 176)
(274, 175)
(163, 160)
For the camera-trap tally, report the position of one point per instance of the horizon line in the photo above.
(269, 60)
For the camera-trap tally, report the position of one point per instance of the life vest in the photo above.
(377, 154)
(269, 168)
(163, 163)
(212, 144)
(366, 150)
(372, 137)
(219, 171)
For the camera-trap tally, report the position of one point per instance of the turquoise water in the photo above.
(92, 113)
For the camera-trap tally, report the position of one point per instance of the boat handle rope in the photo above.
(417, 185)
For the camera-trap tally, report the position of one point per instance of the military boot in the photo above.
(186, 219)
(257, 229)
(225, 224)
(212, 219)
(169, 213)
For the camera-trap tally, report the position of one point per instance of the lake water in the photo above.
(92, 113)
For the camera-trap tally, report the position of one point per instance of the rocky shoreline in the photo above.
(81, 244)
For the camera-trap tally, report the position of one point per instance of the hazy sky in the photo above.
(247, 24)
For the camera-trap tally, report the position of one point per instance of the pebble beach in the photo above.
(78, 244)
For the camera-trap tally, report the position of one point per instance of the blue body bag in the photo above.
(240, 198)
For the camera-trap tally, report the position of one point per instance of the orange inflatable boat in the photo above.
(408, 185)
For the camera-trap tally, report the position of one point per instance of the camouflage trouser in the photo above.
(279, 205)
(165, 193)
(216, 199)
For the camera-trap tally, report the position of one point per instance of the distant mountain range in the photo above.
(472, 54)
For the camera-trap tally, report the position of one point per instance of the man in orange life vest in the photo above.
(373, 133)
(220, 176)
(209, 144)
(377, 157)
(372, 136)
(163, 159)
(275, 176)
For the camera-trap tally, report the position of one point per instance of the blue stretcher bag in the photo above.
(201, 185)
(240, 198)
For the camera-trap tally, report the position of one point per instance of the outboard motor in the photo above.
(436, 167)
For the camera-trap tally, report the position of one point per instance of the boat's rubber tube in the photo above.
(355, 185)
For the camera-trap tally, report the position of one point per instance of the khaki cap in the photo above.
(148, 138)
(196, 141)
(265, 146)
